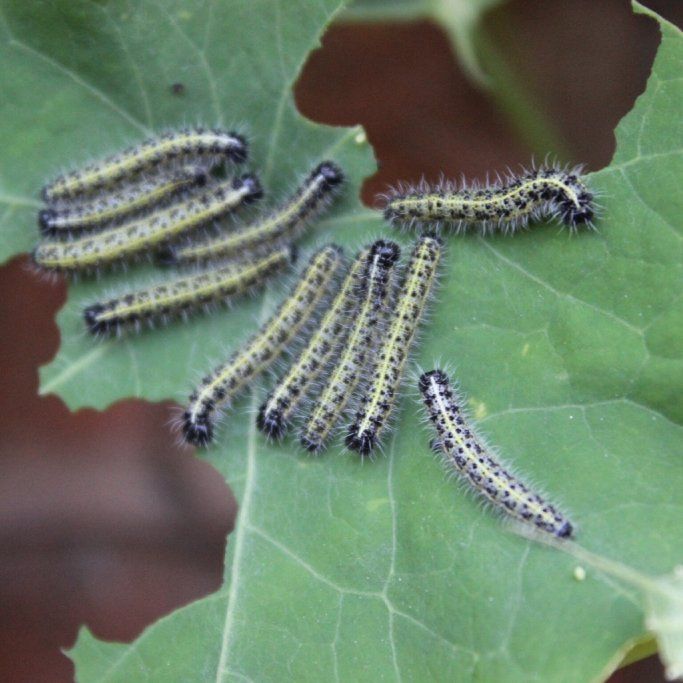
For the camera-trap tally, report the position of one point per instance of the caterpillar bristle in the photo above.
(506, 204)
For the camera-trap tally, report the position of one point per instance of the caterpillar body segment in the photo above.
(464, 451)
(111, 208)
(168, 149)
(287, 222)
(223, 384)
(378, 401)
(142, 235)
(276, 412)
(338, 389)
(184, 295)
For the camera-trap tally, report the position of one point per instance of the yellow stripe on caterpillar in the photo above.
(181, 296)
(463, 450)
(276, 412)
(228, 380)
(109, 208)
(378, 401)
(286, 222)
(149, 156)
(346, 373)
(141, 235)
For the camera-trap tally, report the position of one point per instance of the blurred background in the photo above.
(102, 520)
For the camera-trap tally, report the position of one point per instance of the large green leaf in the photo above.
(238, 62)
(569, 347)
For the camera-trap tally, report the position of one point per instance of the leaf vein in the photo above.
(240, 536)
(559, 294)
(93, 90)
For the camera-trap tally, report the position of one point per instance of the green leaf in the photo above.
(386, 10)
(568, 346)
(228, 78)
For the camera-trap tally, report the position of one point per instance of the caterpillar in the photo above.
(288, 221)
(547, 191)
(108, 209)
(150, 155)
(342, 381)
(379, 399)
(276, 412)
(464, 450)
(226, 381)
(140, 235)
(181, 296)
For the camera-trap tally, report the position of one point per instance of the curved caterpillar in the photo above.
(141, 235)
(345, 375)
(510, 203)
(148, 156)
(181, 296)
(107, 209)
(463, 450)
(225, 382)
(378, 401)
(288, 221)
(276, 412)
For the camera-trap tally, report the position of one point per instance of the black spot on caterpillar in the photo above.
(286, 222)
(379, 399)
(357, 346)
(229, 379)
(141, 235)
(110, 208)
(181, 296)
(147, 157)
(464, 450)
(506, 205)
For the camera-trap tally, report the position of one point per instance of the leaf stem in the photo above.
(513, 99)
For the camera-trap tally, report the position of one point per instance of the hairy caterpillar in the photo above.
(148, 156)
(547, 191)
(379, 399)
(181, 296)
(141, 235)
(341, 383)
(463, 449)
(107, 209)
(225, 382)
(286, 222)
(277, 410)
